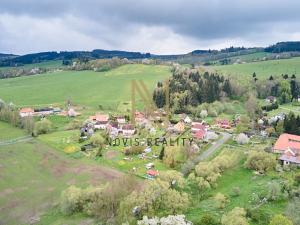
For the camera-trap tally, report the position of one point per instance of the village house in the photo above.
(128, 130)
(288, 145)
(121, 119)
(100, 121)
(198, 130)
(26, 112)
(179, 127)
(151, 174)
(113, 129)
(139, 117)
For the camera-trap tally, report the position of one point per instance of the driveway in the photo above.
(212, 149)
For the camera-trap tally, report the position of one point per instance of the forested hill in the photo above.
(290, 46)
(46, 56)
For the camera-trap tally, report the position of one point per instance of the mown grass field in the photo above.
(85, 88)
(263, 70)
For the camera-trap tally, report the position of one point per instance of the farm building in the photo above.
(288, 145)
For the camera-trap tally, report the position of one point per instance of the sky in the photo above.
(156, 26)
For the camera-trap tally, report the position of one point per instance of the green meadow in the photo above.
(33, 175)
(7, 132)
(263, 69)
(47, 64)
(85, 88)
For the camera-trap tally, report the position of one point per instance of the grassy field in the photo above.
(263, 69)
(86, 88)
(8, 132)
(33, 176)
(248, 183)
(48, 64)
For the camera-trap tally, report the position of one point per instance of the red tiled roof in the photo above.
(286, 141)
(26, 110)
(199, 134)
(198, 126)
(100, 117)
(153, 173)
(128, 127)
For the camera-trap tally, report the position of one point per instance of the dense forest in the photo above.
(291, 46)
(189, 88)
(47, 56)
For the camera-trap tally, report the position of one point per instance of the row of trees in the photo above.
(10, 114)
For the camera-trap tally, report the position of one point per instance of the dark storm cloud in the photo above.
(204, 20)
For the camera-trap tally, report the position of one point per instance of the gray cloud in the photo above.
(160, 26)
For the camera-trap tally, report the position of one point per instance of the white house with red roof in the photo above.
(100, 121)
(288, 145)
(26, 112)
(128, 130)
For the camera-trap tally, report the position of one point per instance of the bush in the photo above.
(97, 139)
(134, 150)
(42, 127)
(220, 200)
(71, 200)
(237, 216)
(280, 220)
(260, 161)
(212, 111)
(242, 139)
(207, 219)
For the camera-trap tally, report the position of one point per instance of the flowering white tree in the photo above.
(242, 139)
(169, 220)
(203, 113)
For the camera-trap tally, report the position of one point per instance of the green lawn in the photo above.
(86, 88)
(248, 183)
(33, 176)
(263, 70)
(8, 132)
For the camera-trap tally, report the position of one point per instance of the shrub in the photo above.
(97, 139)
(280, 220)
(260, 161)
(220, 200)
(42, 127)
(237, 216)
(71, 200)
(133, 150)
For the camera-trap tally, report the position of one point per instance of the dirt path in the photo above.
(16, 140)
(212, 149)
